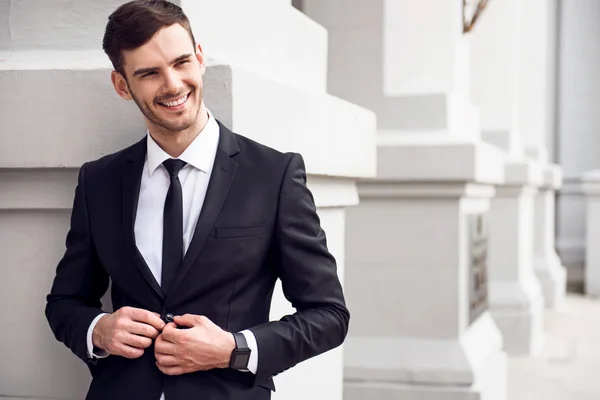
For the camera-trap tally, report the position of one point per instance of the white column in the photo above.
(516, 300)
(547, 264)
(579, 143)
(537, 72)
(255, 84)
(416, 265)
(591, 190)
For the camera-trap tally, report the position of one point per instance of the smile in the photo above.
(177, 103)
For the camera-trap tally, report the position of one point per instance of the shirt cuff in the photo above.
(253, 362)
(90, 345)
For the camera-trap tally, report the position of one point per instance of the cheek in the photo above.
(146, 93)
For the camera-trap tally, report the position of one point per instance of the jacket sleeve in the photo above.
(79, 283)
(308, 273)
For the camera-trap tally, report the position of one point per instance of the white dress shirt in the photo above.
(194, 177)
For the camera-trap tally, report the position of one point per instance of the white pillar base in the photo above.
(516, 301)
(547, 265)
(424, 331)
(518, 310)
(491, 385)
(553, 279)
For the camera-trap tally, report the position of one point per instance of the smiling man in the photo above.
(193, 225)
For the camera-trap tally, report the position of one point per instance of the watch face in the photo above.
(241, 359)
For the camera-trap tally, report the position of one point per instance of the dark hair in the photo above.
(133, 24)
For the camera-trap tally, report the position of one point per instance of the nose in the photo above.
(173, 83)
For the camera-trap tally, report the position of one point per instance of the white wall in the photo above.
(420, 55)
(579, 118)
(537, 71)
(495, 65)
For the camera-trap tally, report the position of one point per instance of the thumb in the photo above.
(189, 320)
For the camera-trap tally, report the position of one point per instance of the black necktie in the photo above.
(172, 253)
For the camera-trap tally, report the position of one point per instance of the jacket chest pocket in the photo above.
(239, 232)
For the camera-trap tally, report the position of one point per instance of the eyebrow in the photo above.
(142, 71)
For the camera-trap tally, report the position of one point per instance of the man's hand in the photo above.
(202, 347)
(127, 331)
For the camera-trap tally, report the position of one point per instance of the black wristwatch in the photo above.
(241, 354)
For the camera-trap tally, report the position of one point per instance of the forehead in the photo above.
(167, 44)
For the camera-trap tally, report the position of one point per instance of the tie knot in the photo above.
(173, 166)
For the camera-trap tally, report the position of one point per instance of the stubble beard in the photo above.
(166, 126)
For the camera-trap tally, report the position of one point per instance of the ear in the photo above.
(120, 84)
(200, 58)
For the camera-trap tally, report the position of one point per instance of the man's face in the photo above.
(164, 78)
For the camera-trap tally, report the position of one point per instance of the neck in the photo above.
(175, 143)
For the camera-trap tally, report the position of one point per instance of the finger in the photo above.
(170, 333)
(163, 347)
(128, 351)
(137, 341)
(142, 329)
(171, 370)
(189, 320)
(167, 360)
(147, 317)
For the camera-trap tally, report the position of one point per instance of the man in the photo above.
(193, 225)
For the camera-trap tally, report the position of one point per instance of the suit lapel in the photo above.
(132, 176)
(222, 176)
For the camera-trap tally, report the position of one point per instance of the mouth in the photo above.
(176, 104)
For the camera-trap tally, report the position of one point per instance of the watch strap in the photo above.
(240, 340)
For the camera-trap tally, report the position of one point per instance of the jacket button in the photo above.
(168, 318)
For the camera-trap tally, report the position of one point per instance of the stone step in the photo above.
(65, 101)
(437, 156)
(278, 41)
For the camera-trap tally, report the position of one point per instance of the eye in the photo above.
(147, 74)
(183, 62)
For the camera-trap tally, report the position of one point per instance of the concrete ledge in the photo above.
(426, 112)
(450, 361)
(333, 192)
(54, 188)
(438, 157)
(37, 189)
(380, 189)
(523, 173)
(336, 138)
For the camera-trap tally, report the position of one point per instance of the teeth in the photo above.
(176, 102)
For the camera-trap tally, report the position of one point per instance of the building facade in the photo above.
(434, 156)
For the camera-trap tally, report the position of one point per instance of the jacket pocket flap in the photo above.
(239, 231)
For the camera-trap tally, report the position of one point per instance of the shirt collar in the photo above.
(199, 154)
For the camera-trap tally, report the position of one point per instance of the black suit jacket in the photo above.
(258, 223)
